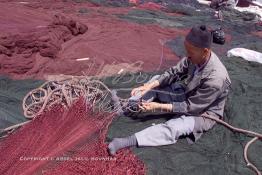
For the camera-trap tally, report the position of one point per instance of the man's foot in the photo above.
(119, 143)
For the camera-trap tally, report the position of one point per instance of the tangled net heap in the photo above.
(64, 93)
(61, 141)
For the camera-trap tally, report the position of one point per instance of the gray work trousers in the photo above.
(169, 132)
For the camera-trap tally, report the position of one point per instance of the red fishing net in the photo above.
(35, 43)
(65, 142)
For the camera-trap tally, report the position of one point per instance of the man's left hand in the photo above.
(153, 106)
(150, 106)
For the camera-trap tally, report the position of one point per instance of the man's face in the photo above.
(195, 54)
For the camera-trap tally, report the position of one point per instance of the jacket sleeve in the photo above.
(174, 73)
(201, 99)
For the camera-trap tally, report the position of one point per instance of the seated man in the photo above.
(198, 84)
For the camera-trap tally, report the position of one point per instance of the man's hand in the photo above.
(142, 90)
(153, 106)
(150, 106)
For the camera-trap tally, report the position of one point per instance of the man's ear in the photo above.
(206, 52)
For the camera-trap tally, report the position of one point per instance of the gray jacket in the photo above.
(206, 90)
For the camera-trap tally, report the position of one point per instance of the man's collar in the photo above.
(206, 68)
(201, 67)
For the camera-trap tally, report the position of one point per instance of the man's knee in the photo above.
(203, 124)
(181, 126)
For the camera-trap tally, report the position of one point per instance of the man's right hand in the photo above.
(142, 90)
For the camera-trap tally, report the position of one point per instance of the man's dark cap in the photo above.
(199, 36)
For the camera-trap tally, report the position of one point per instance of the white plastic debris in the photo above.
(249, 55)
(121, 70)
(204, 2)
(23, 2)
(252, 9)
(82, 59)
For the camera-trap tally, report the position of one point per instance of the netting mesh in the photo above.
(65, 142)
(219, 151)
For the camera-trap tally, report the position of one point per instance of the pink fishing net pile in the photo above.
(65, 142)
